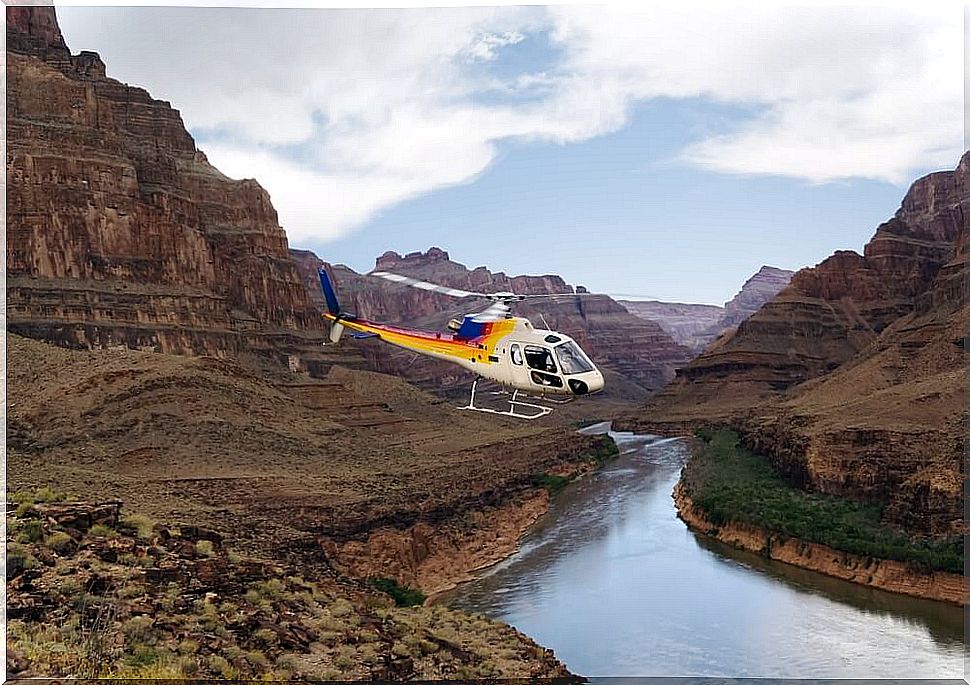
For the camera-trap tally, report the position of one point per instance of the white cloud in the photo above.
(343, 113)
(485, 48)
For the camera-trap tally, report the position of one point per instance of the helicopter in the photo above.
(530, 362)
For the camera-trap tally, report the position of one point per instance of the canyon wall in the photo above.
(119, 230)
(683, 322)
(827, 314)
(638, 356)
(853, 379)
(697, 325)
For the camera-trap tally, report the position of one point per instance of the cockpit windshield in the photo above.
(571, 359)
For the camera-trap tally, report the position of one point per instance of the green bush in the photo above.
(60, 542)
(604, 449)
(730, 483)
(550, 482)
(102, 531)
(144, 525)
(402, 595)
(31, 531)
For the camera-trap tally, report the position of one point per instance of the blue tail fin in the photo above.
(328, 292)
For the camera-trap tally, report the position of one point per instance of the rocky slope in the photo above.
(852, 380)
(696, 325)
(119, 230)
(638, 355)
(324, 475)
(95, 593)
(760, 288)
(828, 314)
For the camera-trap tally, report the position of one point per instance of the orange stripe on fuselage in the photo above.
(430, 342)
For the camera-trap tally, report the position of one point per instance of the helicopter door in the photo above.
(542, 366)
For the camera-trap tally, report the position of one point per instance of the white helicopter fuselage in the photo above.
(525, 358)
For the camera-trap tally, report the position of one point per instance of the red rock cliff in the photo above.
(853, 380)
(829, 313)
(119, 230)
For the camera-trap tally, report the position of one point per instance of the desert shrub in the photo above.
(345, 658)
(256, 658)
(31, 531)
(21, 497)
(218, 664)
(205, 548)
(60, 542)
(403, 595)
(341, 607)
(137, 629)
(142, 656)
(187, 646)
(19, 559)
(102, 531)
(267, 637)
(269, 589)
(45, 495)
(142, 524)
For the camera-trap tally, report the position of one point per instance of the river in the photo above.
(616, 585)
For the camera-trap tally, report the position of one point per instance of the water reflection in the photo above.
(617, 585)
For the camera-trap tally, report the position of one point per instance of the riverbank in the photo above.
(732, 495)
(435, 557)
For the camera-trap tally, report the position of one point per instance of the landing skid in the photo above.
(512, 411)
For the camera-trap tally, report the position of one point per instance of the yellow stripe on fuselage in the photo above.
(443, 345)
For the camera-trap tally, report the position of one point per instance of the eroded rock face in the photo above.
(697, 325)
(119, 230)
(619, 341)
(828, 313)
(853, 379)
(756, 291)
(685, 323)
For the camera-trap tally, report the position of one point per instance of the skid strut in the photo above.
(514, 402)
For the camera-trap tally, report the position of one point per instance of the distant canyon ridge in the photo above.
(696, 326)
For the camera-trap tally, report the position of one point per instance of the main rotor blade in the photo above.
(424, 285)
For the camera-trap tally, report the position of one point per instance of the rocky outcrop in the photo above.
(119, 230)
(628, 346)
(685, 323)
(829, 313)
(754, 294)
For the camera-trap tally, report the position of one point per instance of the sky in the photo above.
(660, 152)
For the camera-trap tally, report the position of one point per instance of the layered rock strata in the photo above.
(119, 230)
(830, 313)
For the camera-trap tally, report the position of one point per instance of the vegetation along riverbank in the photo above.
(736, 496)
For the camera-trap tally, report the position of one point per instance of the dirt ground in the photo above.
(274, 460)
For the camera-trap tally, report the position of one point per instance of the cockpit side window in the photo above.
(516, 355)
(539, 358)
(571, 359)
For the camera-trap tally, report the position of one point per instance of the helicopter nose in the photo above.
(587, 383)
